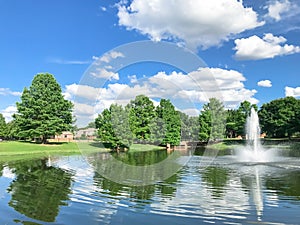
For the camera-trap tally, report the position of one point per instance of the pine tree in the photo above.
(43, 111)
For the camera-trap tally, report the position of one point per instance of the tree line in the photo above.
(43, 112)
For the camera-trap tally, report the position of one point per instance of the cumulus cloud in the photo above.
(7, 91)
(197, 23)
(103, 73)
(264, 83)
(8, 112)
(109, 56)
(184, 90)
(277, 8)
(270, 46)
(294, 92)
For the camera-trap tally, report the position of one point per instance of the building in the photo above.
(65, 136)
(87, 134)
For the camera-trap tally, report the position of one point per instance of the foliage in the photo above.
(212, 121)
(189, 127)
(141, 116)
(3, 127)
(171, 120)
(236, 119)
(43, 111)
(113, 126)
(280, 117)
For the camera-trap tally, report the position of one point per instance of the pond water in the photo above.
(69, 190)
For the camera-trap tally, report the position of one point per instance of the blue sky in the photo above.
(250, 47)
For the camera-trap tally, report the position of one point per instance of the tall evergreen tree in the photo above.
(171, 118)
(141, 116)
(212, 121)
(43, 111)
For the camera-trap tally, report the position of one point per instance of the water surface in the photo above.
(69, 190)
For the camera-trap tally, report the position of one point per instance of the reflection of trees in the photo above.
(141, 158)
(288, 185)
(39, 190)
(137, 194)
(217, 177)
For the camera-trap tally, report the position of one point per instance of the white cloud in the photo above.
(191, 111)
(133, 79)
(8, 112)
(264, 83)
(68, 62)
(83, 91)
(197, 23)
(294, 92)
(7, 91)
(277, 8)
(103, 73)
(254, 48)
(109, 56)
(184, 90)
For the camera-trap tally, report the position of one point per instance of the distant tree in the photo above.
(236, 119)
(171, 119)
(3, 127)
(43, 111)
(194, 128)
(91, 125)
(212, 121)
(141, 115)
(242, 114)
(280, 117)
(189, 127)
(113, 127)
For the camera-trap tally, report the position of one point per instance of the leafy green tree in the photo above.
(189, 127)
(3, 126)
(280, 117)
(212, 121)
(171, 119)
(236, 119)
(141, 115)
(43, 111)
(113, 126)
(12, 130)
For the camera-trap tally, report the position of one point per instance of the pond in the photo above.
(70, 190)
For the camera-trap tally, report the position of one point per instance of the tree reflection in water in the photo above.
(39, 190)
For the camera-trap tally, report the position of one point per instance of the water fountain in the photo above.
(254, 151)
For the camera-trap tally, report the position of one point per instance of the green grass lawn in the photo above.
(18, 148)
(144, 147)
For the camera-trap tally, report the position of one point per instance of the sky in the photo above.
(108, 51)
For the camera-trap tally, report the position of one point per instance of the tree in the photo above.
(113, 127)
(280, 117)
(212, 121)
(141, 115)
(3, 126)
(43, 111)
(189, 127)
(236, 119)
(171, 119)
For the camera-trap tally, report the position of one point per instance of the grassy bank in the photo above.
(27, 149)
(143, 148)
(18, 148)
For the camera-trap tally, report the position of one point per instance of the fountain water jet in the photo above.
(254, 152)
